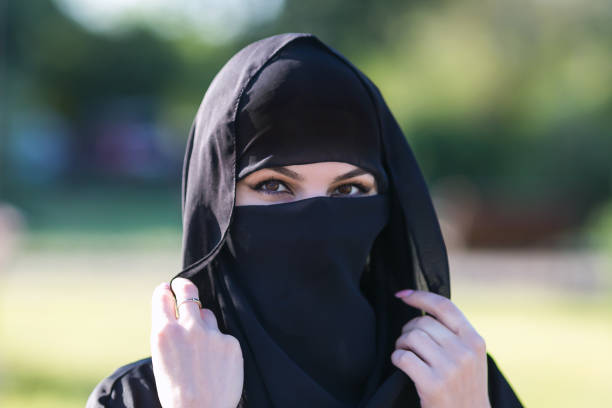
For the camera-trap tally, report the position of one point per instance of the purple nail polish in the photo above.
(403, 293)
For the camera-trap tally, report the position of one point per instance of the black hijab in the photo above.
(315, 316)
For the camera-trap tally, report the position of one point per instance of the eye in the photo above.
(271, 186)
(350, 189)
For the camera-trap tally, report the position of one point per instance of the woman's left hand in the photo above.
(443, 354)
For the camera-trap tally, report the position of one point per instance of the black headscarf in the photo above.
(306, 286)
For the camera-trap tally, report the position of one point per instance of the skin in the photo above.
(297, 182)
(196, 365)
(442, 353)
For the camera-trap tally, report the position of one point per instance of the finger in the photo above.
(185, 289)
(209, 318)
(438, 306)
(438, 332)
(412, 365)
(162, 305)
(420, 343)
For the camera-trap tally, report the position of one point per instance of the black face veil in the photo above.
(307, 286)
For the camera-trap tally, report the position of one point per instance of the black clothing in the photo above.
(305, 291)
(305, 286)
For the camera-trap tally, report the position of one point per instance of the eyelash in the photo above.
(258, 187)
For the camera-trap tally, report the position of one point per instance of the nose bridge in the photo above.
(317, 179)
(312, 190)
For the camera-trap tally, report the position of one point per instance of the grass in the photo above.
(553, 348)
(69, 317)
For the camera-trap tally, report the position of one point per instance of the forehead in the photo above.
(326, 166)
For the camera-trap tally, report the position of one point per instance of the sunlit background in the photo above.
(507, 104)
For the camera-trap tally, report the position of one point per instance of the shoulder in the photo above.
(130, 386)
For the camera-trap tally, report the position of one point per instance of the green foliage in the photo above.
(515, 96)
(599, 228)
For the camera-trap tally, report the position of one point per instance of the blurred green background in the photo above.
(507, 104)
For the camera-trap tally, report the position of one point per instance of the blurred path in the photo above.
(575, 271)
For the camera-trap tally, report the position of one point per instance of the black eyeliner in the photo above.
(257, 187)
(362, 188)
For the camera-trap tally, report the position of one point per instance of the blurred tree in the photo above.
(514, 96)
(355, 27)
(75, 71)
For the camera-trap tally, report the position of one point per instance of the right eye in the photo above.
(271, 186)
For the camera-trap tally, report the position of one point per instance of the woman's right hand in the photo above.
(195, 365)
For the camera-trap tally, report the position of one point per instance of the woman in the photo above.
(304, 212)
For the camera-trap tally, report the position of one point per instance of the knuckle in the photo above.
(167, 333)
(191, 289)
(233, 347)
(231, 343)
(479, 344)
(159, 293)
(421, 321)
(170, 329)
(465, 358)
(415, 322)
(401, 341)
(185, 287)
(217, 340)
(210, 315)
(445, 306)
(410, 338)
(406, 326)
(404, 359)
(426, 320)
(416, 335)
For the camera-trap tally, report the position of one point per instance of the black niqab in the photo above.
(294, 272)
(315, 316)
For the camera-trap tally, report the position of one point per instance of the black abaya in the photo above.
(290, 99)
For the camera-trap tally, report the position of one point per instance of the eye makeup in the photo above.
(258, 187)
(363, 189)
(273, 185)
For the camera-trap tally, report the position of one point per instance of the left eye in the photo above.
(347, 189)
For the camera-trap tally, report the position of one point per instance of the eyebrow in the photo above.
(287, 172)
(292, 174)
(349, 174)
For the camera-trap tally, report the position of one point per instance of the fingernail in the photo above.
(404, 293)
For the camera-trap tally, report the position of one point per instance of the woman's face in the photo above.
(291, 183)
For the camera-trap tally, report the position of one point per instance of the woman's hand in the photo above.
(195, 365)
(442, 353)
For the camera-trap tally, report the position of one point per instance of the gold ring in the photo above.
(192, 299)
